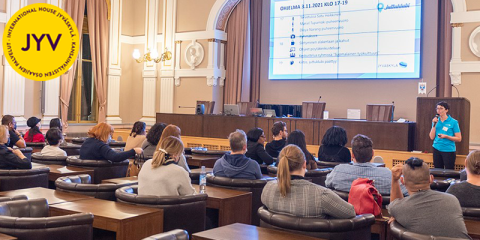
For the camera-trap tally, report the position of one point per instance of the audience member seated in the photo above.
(54, 139)
(16, 138)
(236, 164)
(425, 211)
(297, 138)
(151, 141)
(56, 123)
(468, 192)
(137, 136)
(11, 158)
(255, 147)
(96, 145)
(333, 146)
(279, 131)
(343, 175)
(161, 176)
(34, 134)
(293, 195)
(173, 130)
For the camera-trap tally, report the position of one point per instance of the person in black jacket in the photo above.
(333, 146)
(255, 147)
(279, 131)
(96, 146)
(11, 158)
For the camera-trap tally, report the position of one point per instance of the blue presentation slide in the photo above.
(345, 39)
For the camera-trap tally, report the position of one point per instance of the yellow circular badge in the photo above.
(40, 42)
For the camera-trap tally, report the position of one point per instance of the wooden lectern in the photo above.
(426, 111)
(245, 107)
(313, 109)
(380, 112)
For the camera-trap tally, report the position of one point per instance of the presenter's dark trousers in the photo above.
(444, 159)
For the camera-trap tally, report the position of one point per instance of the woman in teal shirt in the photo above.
(445, 133)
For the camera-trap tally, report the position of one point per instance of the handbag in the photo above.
(365, 198)
(135, 166)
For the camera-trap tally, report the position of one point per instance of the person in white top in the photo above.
(161, 176)
(54, 138)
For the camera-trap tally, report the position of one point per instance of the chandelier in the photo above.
(151, 56)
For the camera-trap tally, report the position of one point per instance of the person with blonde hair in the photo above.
(173, 130)
(293, 195)
(468, 192)
(161, 176)
(96, 145)
(11, 158)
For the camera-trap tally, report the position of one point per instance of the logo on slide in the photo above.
(380, 7)
(403, 64)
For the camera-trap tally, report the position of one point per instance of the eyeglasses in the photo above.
(440, 108)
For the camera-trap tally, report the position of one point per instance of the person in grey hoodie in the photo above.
(236, 164)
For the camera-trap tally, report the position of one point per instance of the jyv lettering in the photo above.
(39, 40)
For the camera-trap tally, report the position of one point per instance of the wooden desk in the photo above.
(57, 171)
(217, 126)
(52, 196)
(233, 206)
(7, 237)
(240, 231)
(199, 160)
(133, 179)
(473, 227)
(382, 228)
(129, 222)
(198, 170)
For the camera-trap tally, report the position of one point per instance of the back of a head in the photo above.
(362, 148)
(238, 140)
(335, 136)
(3, 132)
(54, 135)
(291, 158)
(254, 134)
(166, 149)
(297, 137)
(7, 119)
(278, 127)
(416, 174)
(155, 133)
(171, 130)
(56, 122)
(138, 128)
(473, 162)
(101, 131)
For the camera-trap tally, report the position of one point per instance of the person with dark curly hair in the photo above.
(34, 134)
(137, 136)
(255, 147)
(151, 141)
(333, 146)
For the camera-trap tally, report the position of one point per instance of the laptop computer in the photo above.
(231, 109)
(256, 112)
(269, 113)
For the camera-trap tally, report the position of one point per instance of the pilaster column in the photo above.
(14, 83)
(114, 69)
(168, 68)
(456, 77)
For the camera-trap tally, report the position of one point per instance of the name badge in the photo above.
(445, 129)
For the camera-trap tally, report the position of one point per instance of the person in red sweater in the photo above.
(34, 134)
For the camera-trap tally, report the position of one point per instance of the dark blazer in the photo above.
(257, 152)
(94, 149)
(8, 160)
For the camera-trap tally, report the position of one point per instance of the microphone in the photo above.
(431, 90)
(393, 109)
(319, 98)
(458, 93)
(437, 116)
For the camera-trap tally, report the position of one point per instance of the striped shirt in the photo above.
(343, 175)
(306, 199)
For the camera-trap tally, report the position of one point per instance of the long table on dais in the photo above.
(52, 196)
(129, 222)
(240, 231)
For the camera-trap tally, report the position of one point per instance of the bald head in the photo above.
(416, 177)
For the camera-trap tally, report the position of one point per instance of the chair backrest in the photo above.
(313, 109)
(344, 196)
(187, 212)
(317, 176)
(209, 106)
(42, 159)
(245, 107)
(28, 219)
(253, 186)
(176, 234)
(380, 112)
(325, 164)
(440, 173)
(25, 178)
(102, 169)
(354, 228)
(400, 233)
(71, 149)
(14, 198)
(81, 184)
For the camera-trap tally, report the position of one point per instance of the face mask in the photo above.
(109, 138)
(8, 142)
(15, 126)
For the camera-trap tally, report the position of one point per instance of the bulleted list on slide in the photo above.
(311, 39)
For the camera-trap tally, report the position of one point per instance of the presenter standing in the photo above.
(445, 133)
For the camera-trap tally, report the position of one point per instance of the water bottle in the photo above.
(203, 180)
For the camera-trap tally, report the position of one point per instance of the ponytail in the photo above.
(291, 158)
(165, 150)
